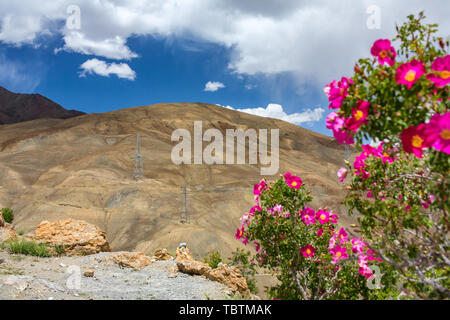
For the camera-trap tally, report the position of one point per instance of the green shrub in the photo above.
(8, 215)
(31, 248)
(241, 260)
(213, 259)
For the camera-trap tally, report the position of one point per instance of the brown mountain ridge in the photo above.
(82, 168)
(19, 107)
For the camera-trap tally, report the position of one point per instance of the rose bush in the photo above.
(399, 99)
(310, 255)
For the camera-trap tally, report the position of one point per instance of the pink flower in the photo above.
(259, 187)
(239, 233)
(441, 74)
(293, 181)
(308, 251)
(308, 216)
(254, 209)
(323, 216)
(339, 253)
(437, 132)
(320, 232)
(359, 116)
(384, 51)
(332, 241)
(371, 256)
(245, 240)
(409, 73)
(336, 123)
(278, 208)
(333, 217)
(337, 92)
(343, 236)
(414, 140)
(245, 220)
(366, 271)
(342, 174)
(358, 245)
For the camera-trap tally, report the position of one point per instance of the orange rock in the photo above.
(136, 260)
(162, 254)
(231, 277)
(187, 264)
(77, 237)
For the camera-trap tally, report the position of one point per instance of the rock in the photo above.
(187, 264)
(16, 282)
(89, 273)
(231, 277)
(183, 253)
(136, 260)
(162, 254)
(78, 237)
(7, 233)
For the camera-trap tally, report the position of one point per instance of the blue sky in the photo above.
(131, 53)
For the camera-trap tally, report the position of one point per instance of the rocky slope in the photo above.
(25, 277)
(82, 168)
(18, 107)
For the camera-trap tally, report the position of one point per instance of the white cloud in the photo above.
(213, 86)
(314, 40)
(95, 66)
(276, 111)
(112, 48)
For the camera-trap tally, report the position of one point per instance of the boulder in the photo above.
(76, 236)
(7, 234)
(135, 260)
(162, 254)
(231, 277)
(187, 264)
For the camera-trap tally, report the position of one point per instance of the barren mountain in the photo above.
(18, 107)
(82, 167)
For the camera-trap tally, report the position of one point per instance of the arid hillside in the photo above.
(82, 167)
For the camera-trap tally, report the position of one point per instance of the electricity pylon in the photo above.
(138, 166)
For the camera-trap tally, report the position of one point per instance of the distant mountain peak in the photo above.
(19, 107)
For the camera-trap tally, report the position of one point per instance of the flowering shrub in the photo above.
(310, 255)
(400, 188)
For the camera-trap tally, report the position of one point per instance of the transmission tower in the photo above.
(138, 166)
(184, 212)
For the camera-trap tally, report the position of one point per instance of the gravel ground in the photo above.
(26, 277)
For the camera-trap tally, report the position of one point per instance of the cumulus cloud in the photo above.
(276, 111)
(213, 86)
(95, 66)
(315, 40)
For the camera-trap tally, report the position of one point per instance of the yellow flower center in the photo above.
(383, 54)
(410, 75)
(307, 216)
(358, 115)
(338, 254)
(445, 74)
(294, 183)
(342, 91)
(308, 251)
(417, 141)
(322, 216)
(445, 134)
(386, 155)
